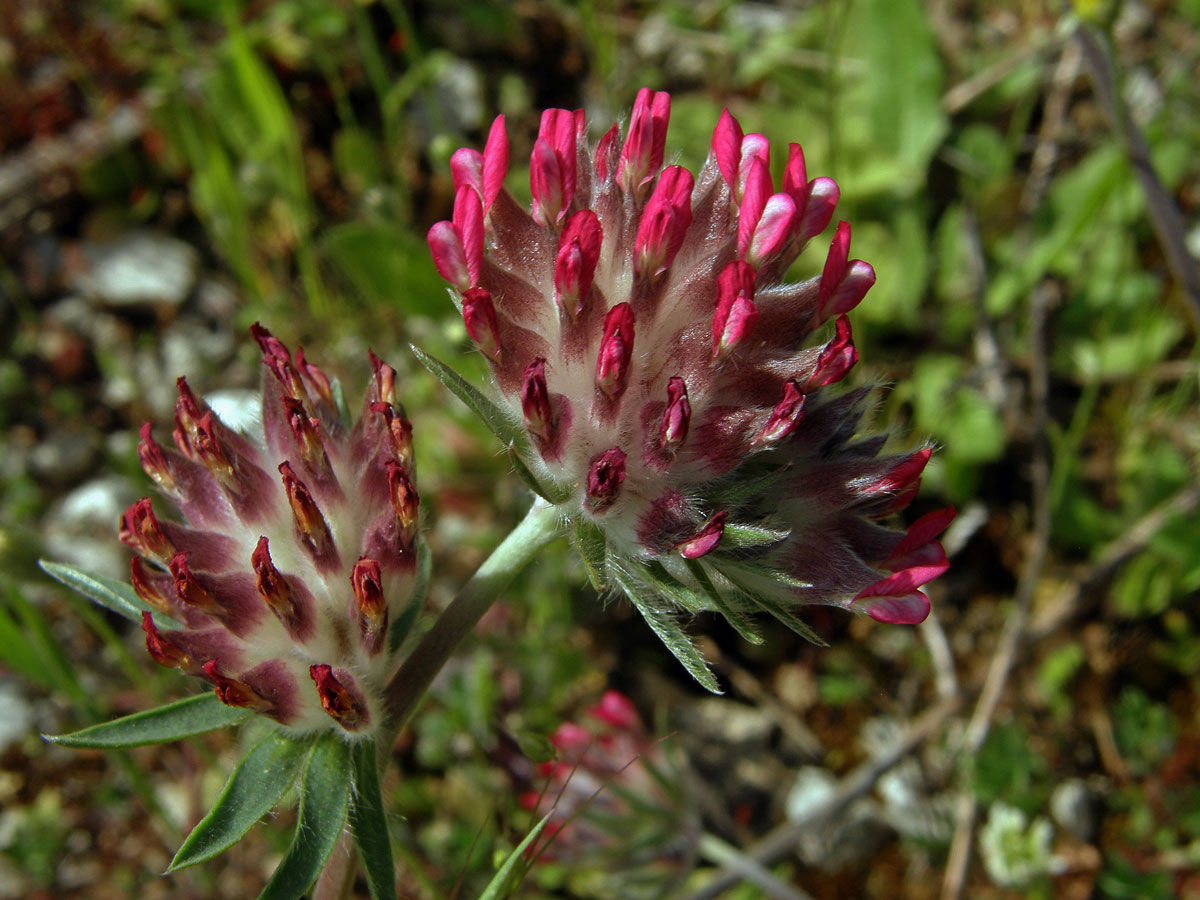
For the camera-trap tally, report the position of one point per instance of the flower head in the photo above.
(679, 396)
(299, 549)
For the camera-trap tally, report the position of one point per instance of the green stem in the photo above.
(410, 683)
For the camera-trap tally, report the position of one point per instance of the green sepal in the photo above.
(498, 422)
(746, 483)
(772, 605)
(593, 550)
(662, 623)
(749, 537)
(181, 719)
(549, 494)
(339, 402)
(670, 588)
(722, 604)
(253, 789)
(118, 596)
(500, 887)
(368, 823)
(324, 802)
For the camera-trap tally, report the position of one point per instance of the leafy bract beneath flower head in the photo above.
(680, 398)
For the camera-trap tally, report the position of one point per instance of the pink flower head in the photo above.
(679, 396)
(288, 533)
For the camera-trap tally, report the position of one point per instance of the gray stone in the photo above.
(139, 268)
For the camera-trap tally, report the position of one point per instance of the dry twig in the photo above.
(1164, 214)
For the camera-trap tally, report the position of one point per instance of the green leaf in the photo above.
(722, 604)
(664, 625)
(742, 577)
(118, 596)
(746, 537)
(496, 419)
(526, 475)
(499, 887)
(28, 644)
(386, 265)
(324, 801)
(253, 789)
(17, 653)
(181, 719)
(589, 541)
(369, 823)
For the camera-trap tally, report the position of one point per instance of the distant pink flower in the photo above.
(612, 792)
(298, 552)
(678, 393)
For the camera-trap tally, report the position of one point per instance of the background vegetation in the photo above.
(1025, 178)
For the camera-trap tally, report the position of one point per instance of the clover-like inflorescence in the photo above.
(679, 395)
(299, 551)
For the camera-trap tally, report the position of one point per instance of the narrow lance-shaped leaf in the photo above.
(369, 824)
(503, 882)
(253, 789)
(526, 474)
(324, 801)
(667, 629)
(589, 541)
(497, 421)
(721, 604)
(741, 578)
(118, 596)
(745, 537)
(181, 719)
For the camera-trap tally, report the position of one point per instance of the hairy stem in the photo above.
(410, 683)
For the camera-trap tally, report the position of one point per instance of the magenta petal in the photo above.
(727, 147)
(754, 201)
(706, 539)
(445, 244)
(468, 218)
(495, 162)
(546, 183)
(907, 609)
(795, 177)
(773, 230)
(466, 169)
(823, 194)
(921, 532)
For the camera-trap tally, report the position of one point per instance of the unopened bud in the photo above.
(785, 416)
(674, 427)
(189, 589)
(154, 460)
(141, 531)
(606, 473)
(704, 540)
(479, 315)
(311, 527)
(372, 605)
(347, 709)
(405, 502)
(616, 350)
(233, 692)
(736, 315)
(274, 589)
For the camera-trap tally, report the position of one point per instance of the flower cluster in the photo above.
(298, 551)
(677, 393)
